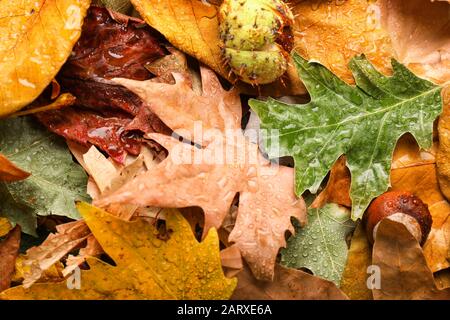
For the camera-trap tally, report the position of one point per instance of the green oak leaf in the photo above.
(363, 122)
(56, 182)
(320, 246)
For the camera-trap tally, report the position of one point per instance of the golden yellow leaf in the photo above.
(354, 278)
(147, 266)
(333, 32)
(36, 38)
(5, 227)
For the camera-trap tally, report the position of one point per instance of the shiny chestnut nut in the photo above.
(399, 206)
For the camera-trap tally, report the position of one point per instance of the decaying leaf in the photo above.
(363, 122)
(321, 245)
(36, 38)
(146, 267)
(10, 172)
(354, 278)
(288, 284)
(107, 115)
(55, 181)
(403, 269)
(40, 258)
(9, 250)
(195, 176)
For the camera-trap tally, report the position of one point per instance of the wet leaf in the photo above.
(146, 267)
(337, 189)
(321, 245)
(55, 181)
(266, 196)
(193, 27)
(288, 284)
(107, 115)
(362, 122)
(36, 38)
(403, 269)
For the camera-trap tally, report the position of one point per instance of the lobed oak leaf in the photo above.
(146, 266)
(229, 164)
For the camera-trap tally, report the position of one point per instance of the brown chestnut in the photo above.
(402, 207)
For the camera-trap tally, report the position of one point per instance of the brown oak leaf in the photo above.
(229, 164)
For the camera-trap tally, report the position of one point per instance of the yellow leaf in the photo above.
(36, 38)
(5, 227)
(354, 278)
(147, 267)
(333, 32)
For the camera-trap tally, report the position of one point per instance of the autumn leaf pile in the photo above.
(135, 165)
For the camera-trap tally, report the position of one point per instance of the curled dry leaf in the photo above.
(9, 250)
(288, 284)
(404, 272)
(10, 172)
(146, 266)
(267, 200)
(40, 258)
(36, 38)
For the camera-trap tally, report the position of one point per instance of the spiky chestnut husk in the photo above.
(257, 37)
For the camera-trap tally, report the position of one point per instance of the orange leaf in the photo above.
(10, 172)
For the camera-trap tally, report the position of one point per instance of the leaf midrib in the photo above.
(355, 118)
